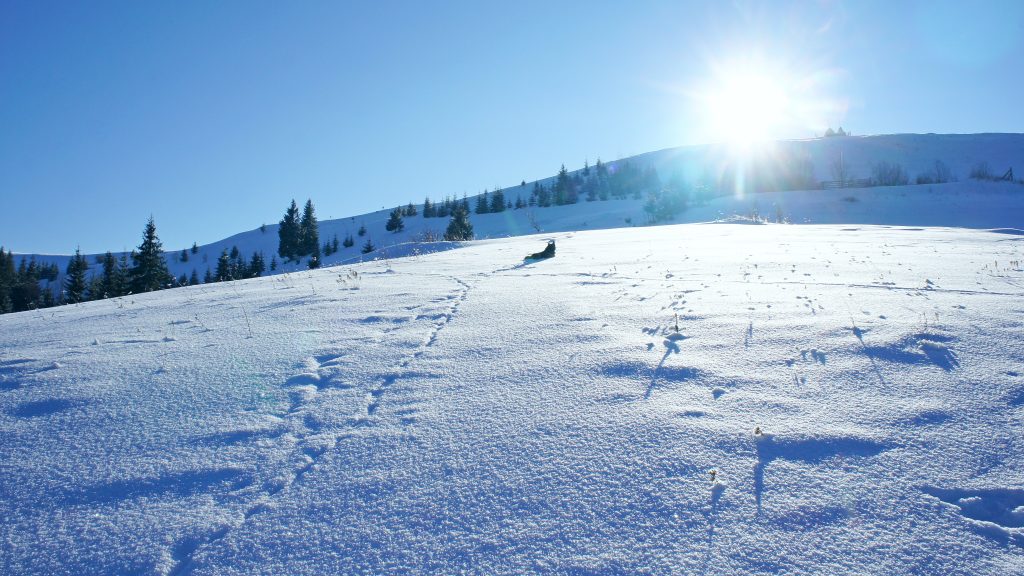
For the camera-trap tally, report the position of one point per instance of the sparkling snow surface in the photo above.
(462, 411)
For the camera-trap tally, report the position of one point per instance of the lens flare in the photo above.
(748, 101)
(748, 108)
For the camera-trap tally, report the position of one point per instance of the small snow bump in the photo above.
(305, 378)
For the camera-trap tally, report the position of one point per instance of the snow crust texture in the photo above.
(858, 392)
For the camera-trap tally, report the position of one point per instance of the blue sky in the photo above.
(212, 116)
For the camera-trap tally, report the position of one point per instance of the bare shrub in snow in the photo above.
(939, 174)
(428, 235)
(981, 171)
(888, 174)
(531, 217)
(841, 172)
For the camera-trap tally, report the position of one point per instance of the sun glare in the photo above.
(748, 101)
(748, 108)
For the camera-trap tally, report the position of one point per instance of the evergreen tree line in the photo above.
(21, 289)
(495, 203)
(299, 236)
(443, 209)
(459, 227)
(600, 182)
(333, 246)
(232, 266)
(19, 286)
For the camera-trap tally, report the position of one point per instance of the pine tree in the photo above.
(195, 248)
(47, 299)
(334, 244)
(256, 265)
(498, 200)
(49, 272)
(349, 241)
(362, 230)
(482, 205)
(124, 274)
(564, 189)
(428, 208)
(193, 280)
(25, 293)
(309, 231)
(459, 227)
(410, 210)
(150, 271)
(7, 279)
(368, 247)
(208, 278)
(184, 255)
(273, 262)
(94, 288)
(239, 268)
(395, 223)
(288, 233)
(519, 202)
(75, 284)
(223, 267)
(111, 285)
(543, 196)
(589, 188)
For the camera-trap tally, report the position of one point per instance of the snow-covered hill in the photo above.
(966, 203)
(462, 411)
(856, 383)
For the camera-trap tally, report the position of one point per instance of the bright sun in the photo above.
(747, 101)
(748, 107)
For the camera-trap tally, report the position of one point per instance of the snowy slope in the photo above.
(916, 153)
(463, 412)
(965, 203)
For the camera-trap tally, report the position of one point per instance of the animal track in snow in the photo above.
(13, 370)
(918, 348)
(314, 438)
(373, 401)
(995, 512)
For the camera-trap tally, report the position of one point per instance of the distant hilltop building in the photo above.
(830, 132)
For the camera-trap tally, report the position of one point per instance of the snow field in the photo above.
(465, 412)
